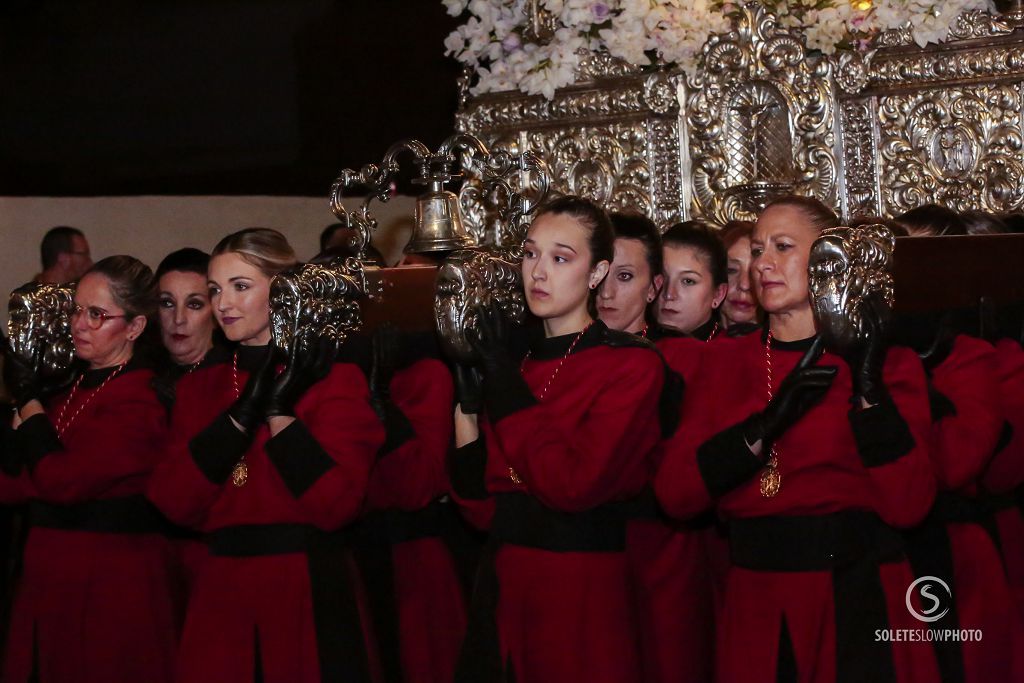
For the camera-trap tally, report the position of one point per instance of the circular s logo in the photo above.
(935, 598)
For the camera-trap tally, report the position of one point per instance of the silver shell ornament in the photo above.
(39, 327)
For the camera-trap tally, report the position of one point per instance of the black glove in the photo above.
(248, 408)
(504, 391)
(467, 388)
(303, 371)
(800, 391)
(867, 359)
(21, 378)
(941, 345)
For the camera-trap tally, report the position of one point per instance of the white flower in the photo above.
(455, 7)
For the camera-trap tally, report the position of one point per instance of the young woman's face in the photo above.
(186, 318)
(557, 273)
(102, 334)
(690, 294)
(739, 306)
(240, 295)
(779, 251)
(623, 296)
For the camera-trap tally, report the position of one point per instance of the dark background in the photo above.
(119, 97)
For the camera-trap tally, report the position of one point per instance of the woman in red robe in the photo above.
(952, 543)
(669, 559)
(570, 434)
(414, 589)
(94, 602)
(812, 459)
(270, 466)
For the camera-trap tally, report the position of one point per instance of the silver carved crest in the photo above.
(39, 327)
(315, 300)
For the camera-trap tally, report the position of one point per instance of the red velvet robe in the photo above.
(257, 613)
(1005, 472)
(677, 570)
(406, 520)
(773, 620)
(94, 603)
(963, 443)
(568, 614)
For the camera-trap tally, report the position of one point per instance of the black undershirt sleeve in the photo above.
(725, 460)
(298, 457)
(881, 433)
(506, 392)
(218, 448)
(37, 437)
(467, 466)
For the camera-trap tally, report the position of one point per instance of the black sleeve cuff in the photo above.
(37, 437)
(298, 457)
(725, 460)
(398, 430)
(670, 405)
(506, 392)
(881, 433)
(218, 448)
(467, 466)
(11, 453)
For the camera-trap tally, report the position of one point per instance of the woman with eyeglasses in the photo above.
(269, 456)
(94, 602)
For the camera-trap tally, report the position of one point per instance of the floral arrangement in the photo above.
(495, 39)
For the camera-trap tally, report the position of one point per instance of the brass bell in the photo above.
(439, 224)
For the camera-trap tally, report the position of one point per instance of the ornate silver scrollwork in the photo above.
(960, 147)
(39, 327)
(760, 120)
(318, 299)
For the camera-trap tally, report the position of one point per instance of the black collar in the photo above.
(548, 348)
(93, 378)
(251, 357)
(795, 345)
(704, 332)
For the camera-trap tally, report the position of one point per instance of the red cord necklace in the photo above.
(240, 474)
(771, 478)
(63, 426)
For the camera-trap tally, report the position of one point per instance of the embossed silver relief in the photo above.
(960, 147)
(315, 300)
(846, 267)
(39, 327)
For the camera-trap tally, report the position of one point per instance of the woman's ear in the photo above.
(657, 282)
(136, 326)
(598, 273)
(720, 293)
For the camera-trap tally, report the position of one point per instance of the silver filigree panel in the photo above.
(960, 147)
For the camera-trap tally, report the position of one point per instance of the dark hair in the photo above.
(932, 219)
(897, 229)
(328, 233)
(733, 231)
(820, 216)
(1014, 222)
(55, 242)
(635, 226)
(131, 282)
(702, 237)
(187, 260)
(592, 217)
(981, 223)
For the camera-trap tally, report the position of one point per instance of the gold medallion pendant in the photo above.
(771, 480)
(240, 474)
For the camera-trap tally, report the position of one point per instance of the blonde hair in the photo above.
(265, 249)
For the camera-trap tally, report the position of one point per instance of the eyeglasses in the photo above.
(94, 317)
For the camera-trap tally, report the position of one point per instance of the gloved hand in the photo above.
(867, 359)
(490, 340)
(800, 391)
(467, 388)
(382, 371)
(248, 409)
(22, 379)
(303, 371)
